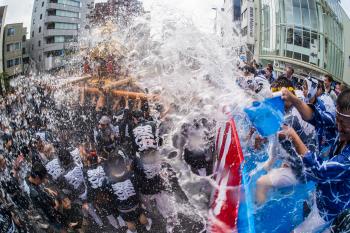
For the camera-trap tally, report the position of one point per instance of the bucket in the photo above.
(267, 115)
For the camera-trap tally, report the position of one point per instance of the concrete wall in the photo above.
(2, 27)
(20, 31)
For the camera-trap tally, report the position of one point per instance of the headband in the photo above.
(277, 89)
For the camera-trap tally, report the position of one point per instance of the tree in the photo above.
(4, 83)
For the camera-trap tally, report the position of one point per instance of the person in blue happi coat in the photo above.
(331, 173)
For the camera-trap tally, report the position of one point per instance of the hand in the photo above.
(286, 133)
(73, 224)
(51, 192)
(287, 95)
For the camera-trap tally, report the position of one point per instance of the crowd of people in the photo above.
(86, 165)
(313, 144)
(97, 163)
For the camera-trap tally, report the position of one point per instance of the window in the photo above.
(298, 37)
(39, 43)
(13, 62)
(297, 56)
(60, 39)
(35, 10)
(32, 34)
(63, 13)
(32, 47)
(39, 58)
(41, 16)
(13, 47)
(55, 53)
(11, 32)
(24, 38)
(23, 51)
(17, 61)
(42, 4)
(68, 26)
(67, 2)
(39, 29)
(245, 31)
(67, 14)
(10, 63)
(290, 35)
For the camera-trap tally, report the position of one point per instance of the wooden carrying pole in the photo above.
(119, 83)
(128, 94)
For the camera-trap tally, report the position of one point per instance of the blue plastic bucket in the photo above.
(267, 115)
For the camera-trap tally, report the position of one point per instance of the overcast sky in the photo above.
(21, 10)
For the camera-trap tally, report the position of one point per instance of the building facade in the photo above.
(15, 57)
(307, 34)
(55, 27)
(2, 28)
(248, 23)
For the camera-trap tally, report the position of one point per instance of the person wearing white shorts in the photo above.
(276, 178)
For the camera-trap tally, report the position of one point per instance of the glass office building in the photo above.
(304, 33)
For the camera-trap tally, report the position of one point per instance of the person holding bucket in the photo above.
(290, 173)
(331, 173)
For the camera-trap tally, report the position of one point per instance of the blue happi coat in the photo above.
(332, 174)
(324, 121)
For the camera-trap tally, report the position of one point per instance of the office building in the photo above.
(307, 34)
(55, 28)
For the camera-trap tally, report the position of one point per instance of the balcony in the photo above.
(61, 19)
(63, 7)
(60, 32)
(59, 46)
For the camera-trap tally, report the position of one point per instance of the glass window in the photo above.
(289, 54)
(313, 14)
(298, 37)
(296, 12)
(39, 43)
(59, 39)
(67, 2)
(297, 56)
(17, 61)
(305, 58)
(306, 39)
(67, 26)
(290, 35)
(39, 29)
(305, 13)
(10, 63)
(289, 11)
(67, 14)
(13, 47)
(11, 32)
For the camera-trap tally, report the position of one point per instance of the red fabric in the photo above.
(226, 198)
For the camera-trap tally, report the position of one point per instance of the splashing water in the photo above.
(193, 73)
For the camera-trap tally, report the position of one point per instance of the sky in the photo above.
(21, 10)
